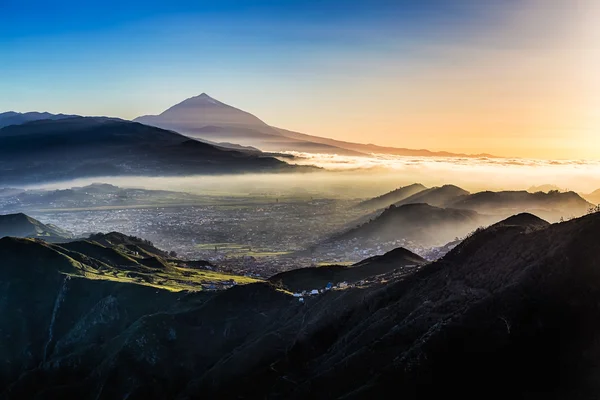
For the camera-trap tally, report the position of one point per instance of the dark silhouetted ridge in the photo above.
(525, 220)
(318, 277)
(86, 147)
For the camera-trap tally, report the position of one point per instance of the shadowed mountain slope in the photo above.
(524, 220)
(551, 205)
(318, 277)
(512, 312)
(436, 196)
(392, 197)
(422, 223)
(83, 147)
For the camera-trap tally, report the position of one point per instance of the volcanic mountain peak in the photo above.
(203, 110)
(195, 115)
(198, 101)
(392, 197)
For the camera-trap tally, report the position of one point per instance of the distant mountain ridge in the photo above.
(436, 196)
(94, 195)
(593, 197)
(373, 148)
(78, 147)
(551, 205)
(205, 117)
(392, 197)
(16, 118)
(419, 222)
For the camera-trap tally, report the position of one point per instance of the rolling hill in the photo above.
(419, 222)
(84, 147)
(593, 197)
(93, 195)
(498, 317)
(21, 225)
(551, 206)
(436, 196)
(395, 196)
(15, 118)
(398, 260)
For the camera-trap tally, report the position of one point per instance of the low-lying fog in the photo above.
(369, 176)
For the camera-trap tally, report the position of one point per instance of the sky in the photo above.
(514, 78)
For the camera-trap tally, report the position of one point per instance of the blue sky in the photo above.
(466, 75)
(107, 56)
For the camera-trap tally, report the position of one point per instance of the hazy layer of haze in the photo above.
(369, 176)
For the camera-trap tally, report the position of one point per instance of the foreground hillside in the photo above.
(84, 147)
(512, 312)
(119, 258)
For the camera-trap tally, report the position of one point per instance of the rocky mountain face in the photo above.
(512, 312)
